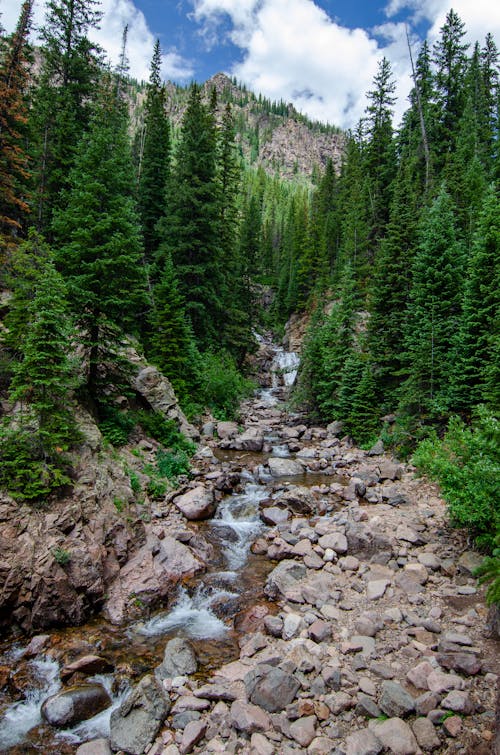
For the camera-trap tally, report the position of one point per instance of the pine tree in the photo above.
(155, 160)
(477, 355)
(63, 98)
(434, 311)
(172, 343)
(190, 228)
(14, 172)
(98, 234)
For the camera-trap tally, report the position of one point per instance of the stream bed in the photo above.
(205, 611)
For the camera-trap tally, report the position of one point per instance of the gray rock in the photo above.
(377, 450)
(193, 733)
(75, 704)
(395, 735)
(469, 562)
(197, 504)
(284, 579)
(363, 742)
(227, 430)
(138, 719)
(366, 707)
(273, 625)
(425, 734)
(303, 730)
(335, 428)
(95, 747)
(87, 664)
(274, 515)
(285, 467)
(179, 659)
(376, 588)
(459, 702)
(249, 718)
(419, 674)
(337, 541)
(251, 440)
(181, 720)
(395, 701)
(271, 688)
(464, 663)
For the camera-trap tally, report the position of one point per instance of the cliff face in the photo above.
(276, 137)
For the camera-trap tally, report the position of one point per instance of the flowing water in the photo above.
(206, 612)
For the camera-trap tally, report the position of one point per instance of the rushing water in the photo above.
(205, 612)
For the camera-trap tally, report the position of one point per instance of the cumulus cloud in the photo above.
(116, 15)
(479, 16)
(294, 51)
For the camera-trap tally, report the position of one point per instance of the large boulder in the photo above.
(179, 659)
(285, 467)
(251, 440)
(138, 719)
(284, 580)
(197, 504)
(271, 688)
(75, 704)
(157, 391)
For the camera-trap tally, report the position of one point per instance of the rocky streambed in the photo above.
(312, 599)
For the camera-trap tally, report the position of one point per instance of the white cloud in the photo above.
(116, 14)
(294, 51)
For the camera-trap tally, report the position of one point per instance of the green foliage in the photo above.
(223, 386)
(61, 555)
(489, 572)
(171, 465)
(27, 472)
(119, 504)
(165, 431)
(135, 483)
(115, 425)
(466, 464)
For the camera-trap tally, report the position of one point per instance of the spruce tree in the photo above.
(14, 168)
(154, 163)
(434, 311)
(190, 228)
(98, 233)
(62, 99)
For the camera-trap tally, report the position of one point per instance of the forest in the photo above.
(116, 228)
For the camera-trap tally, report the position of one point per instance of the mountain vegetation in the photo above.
(165, 214)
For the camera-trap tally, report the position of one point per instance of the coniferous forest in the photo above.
(117, 223)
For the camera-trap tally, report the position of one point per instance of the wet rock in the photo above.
(87, 664)
(197, 504)
(95, 747)
(249, 718)
(36, 645)
(298, 499)
(192, 734)
(274, 515)
(285, 467)
(395, 735)
(179, 659)
(425, 734)
(271, 688)
(395, 701)
(251, 440)
(137, 721)
(75, 704)
(363, 742)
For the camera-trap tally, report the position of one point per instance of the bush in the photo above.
(489, 571)
(223, 385)
(27, 471)
(115, 425)
(165, 431)
(466, 464)
(171, 465)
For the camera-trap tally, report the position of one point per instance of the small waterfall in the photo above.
(285, 367)
(23, 715)
(240, 513)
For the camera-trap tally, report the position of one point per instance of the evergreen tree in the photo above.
(191, 226)
(434, 311)
(14, 173)
(354, 210)
(63, 98)
(477, 355)
(172, 342)
(98, 234)
(154, 164)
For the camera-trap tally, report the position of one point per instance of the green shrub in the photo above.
(115, 425)
(223, 386)
(171, 465)
(466, 464)
(165, 431)
(135, 483)
(489, 571)
(61, 555)
(27, 470)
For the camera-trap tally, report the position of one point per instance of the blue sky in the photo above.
(321, 55)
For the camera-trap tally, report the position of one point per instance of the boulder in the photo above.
(395, 701)
(251, 440)
(271, 688)
(249, 718)
(363, 742)
(227, 430)
(395, 735)
(87, 664)
(95, 747)
(137, 721)
(157, 390)
(197, 504)
(285, 467)
(75, 704)
(179, 659)
(284, 579)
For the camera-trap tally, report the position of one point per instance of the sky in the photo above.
(322, 55)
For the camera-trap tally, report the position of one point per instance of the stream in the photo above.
(204, 611)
